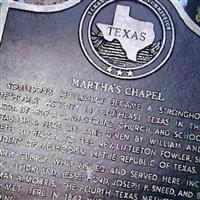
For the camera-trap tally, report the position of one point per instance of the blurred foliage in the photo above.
(198, 15)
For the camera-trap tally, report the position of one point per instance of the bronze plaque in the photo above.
(99, 100)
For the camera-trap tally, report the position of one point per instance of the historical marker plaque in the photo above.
(99, 100)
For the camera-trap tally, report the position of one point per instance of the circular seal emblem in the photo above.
(127, 39)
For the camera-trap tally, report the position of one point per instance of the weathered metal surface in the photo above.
(100, 101)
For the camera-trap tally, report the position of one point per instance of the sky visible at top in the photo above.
(184, 2)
